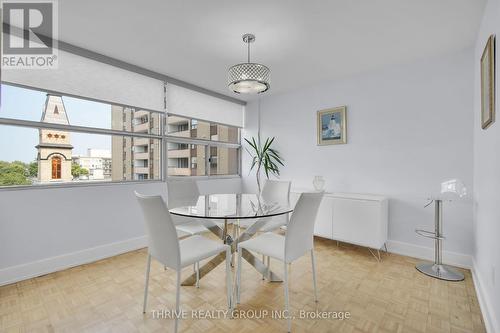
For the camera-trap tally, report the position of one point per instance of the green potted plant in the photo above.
(264, 157)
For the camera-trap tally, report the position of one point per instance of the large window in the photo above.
(55, 139)
(48, 138)
(201, 148)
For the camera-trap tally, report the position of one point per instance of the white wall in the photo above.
(409, 128)
(44, 230)
(487, 183)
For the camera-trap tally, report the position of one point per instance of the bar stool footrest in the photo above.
(428, 234)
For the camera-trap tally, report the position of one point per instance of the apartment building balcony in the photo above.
(141, 142)
(174, 171)
(179, 153)
(141, 170)
(140, 113)
(174, 120)
(141, 156)
(182, 134)
(142, 128)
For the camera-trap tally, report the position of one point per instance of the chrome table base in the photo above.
(437, 269)
(249, 257)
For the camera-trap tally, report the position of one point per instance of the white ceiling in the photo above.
(303, 42)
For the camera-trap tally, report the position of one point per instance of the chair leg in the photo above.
(264, 262)
(239, 228)
(313, 261)
(177, 301)
(234, 239)
(287, 311)
(238, 277)
(197, 270)
(268, 268)
(229, 286)
(148, 267)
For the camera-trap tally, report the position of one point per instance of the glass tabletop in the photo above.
(231, 206)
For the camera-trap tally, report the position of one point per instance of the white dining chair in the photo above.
(297, 241)
(273, 191)
(184, 193)
(219, 186)
(165, 246)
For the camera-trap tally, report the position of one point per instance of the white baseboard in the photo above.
(492, 325)
(427, 253)
(45, 266)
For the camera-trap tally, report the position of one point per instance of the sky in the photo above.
(18, 143)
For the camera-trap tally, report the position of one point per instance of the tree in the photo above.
(77, 170)
(33, 169)
(14, 173)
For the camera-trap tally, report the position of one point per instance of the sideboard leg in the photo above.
(375, 256)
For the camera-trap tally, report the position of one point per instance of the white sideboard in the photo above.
(359, 219)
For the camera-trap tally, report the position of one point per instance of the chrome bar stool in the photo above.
(436, 269)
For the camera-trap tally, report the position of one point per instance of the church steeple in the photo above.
(54, 148)
(55, 112)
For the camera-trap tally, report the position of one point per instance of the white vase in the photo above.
(318, 183)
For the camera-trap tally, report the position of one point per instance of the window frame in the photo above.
(163, 138)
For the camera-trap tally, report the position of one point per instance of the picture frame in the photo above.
(332, 126)
(488, 84)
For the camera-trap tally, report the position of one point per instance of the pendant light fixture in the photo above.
(248, 78)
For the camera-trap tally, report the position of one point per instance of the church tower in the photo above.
(54, 148)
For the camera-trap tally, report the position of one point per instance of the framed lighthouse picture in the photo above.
(488, 84)
(332, 124)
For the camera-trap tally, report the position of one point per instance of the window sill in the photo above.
(103, 183)
(74, 185)
(205, 177)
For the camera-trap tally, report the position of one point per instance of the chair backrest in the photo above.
(182, 193)
(300, 229)
(163, 243)
(219, 186)
(276, 191)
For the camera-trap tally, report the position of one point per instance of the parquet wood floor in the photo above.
(106, 296)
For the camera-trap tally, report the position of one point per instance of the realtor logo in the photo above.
(29, 34)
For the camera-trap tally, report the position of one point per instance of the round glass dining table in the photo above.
(216, 211)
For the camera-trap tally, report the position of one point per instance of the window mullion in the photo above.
(73, 128)
(207, 160)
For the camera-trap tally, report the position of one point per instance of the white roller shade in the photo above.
(192, 104)
(84, 77)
